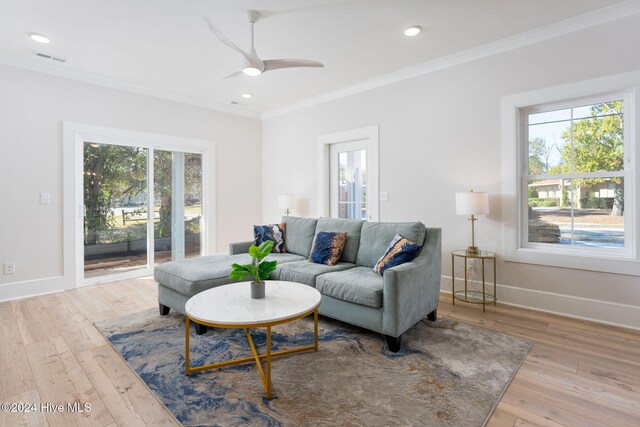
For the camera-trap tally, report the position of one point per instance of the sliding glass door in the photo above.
(142, 206)
(178, 202)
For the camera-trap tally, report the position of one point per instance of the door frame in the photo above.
(74, 137)
(370, 133)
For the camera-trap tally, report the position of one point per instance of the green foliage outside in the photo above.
(597, 202)
(258, 270)
(598, 143)
(547, 203)
(539, 155)
(111, 172)
(593, 144)
(113, 175)
(533, 193)
(565, 197)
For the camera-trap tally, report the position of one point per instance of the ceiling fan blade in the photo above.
(224, 39)
(274, 64)
(237, 73)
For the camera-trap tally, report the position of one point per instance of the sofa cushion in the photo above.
(284, 258)
(306, 272)
(351, 226)
(194, 275)
(273, 232)
(300, 232)
(358, 285)
(327, 247)
(376, 237)
(400, 250)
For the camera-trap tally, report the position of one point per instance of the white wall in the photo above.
(32, 109)
(440, 133)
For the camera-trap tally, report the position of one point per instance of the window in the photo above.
(578, 141)
(579, 147)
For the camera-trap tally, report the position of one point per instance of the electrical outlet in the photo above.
(9, 267)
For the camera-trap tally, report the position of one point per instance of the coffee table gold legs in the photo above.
(267, 384)
(265, 374)
(265, 378)
(315, 330)
(187, 370)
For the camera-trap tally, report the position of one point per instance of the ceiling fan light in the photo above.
(413, 30)
(252, 71)
(247, 95)
(40, 38)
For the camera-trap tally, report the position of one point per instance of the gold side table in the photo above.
(473, 296)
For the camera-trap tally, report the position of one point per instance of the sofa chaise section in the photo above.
(180, 280)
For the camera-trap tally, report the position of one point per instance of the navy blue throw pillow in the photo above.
(327, 247)
(274, 232)
(400, 250)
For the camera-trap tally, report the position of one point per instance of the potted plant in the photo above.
(258, 270)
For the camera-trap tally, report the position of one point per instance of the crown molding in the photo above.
(62, 71)
(567, 26)
(550, 31)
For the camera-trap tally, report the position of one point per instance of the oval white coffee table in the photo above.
(231, 306)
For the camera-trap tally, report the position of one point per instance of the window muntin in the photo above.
(574, 176)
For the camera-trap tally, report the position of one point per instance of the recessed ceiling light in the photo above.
(252, 71)
(39, 38)
(247, 95)
(414, 30)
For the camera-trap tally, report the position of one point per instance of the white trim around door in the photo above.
(368, 135)
(74, 136)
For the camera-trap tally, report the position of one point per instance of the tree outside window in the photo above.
(575, 174)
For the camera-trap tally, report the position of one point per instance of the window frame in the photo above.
(524, 177)
(624, 86)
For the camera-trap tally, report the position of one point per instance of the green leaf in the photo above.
(266, 268)
(238, 267)
(254, 251)
(238, 275)
(265, 248)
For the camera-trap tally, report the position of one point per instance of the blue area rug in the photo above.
(447, 373)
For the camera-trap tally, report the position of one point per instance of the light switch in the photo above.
(384, 196)
(45, 198)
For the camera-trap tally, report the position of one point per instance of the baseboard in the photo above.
(31, 288)
(610, 313)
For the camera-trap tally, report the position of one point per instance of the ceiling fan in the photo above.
(254, 66)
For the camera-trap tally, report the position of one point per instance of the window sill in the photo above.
(629, 266)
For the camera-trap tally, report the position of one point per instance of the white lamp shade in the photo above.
(472, 203)
(286, 202)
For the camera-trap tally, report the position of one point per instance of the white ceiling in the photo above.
(164, 47)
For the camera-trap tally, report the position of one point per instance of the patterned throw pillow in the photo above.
(327, 247)
(400, 250)
(275, 232)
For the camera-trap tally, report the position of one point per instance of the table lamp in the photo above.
(286, 203)
(472, 203)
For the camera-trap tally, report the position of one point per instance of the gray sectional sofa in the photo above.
(351, 291)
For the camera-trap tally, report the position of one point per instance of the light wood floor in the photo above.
(578, 373)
